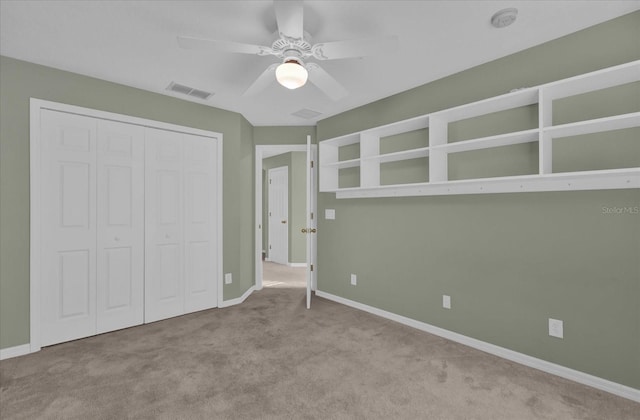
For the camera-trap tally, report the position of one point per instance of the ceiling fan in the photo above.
(293, 47)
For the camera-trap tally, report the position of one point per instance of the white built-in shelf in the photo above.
(343, 164)
(527, 136)
(511, 100)
(401, 155)
(617, 122)
(440, 147)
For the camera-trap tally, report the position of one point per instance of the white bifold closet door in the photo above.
(92, 230)
(120, 218)
(180, 193)
(129, 219)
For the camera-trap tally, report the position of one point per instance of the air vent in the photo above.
(307, 114)
(186, 90)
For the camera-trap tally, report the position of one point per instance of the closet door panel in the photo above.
(164, 257)
(68, 276)
(201, 209)
(120, 239)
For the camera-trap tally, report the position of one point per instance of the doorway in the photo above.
(264, 152)
(278, 215)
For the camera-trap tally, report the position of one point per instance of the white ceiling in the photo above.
(134, 43)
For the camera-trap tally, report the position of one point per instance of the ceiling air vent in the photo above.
(186, 90)
(306, 114)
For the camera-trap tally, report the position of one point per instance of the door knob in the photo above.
(303, 230)
(312, 230)
(283, 221)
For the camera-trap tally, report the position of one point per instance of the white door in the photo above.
(279, 215)
(68, 247)
(181, 260)
(164, 244)
(127, 224)
(120, 225)
(312, 221)
(201, 215)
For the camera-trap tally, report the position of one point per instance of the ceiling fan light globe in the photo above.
(291, 75)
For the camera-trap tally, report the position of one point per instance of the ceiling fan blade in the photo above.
(265, 79)
(289, 15)
(325, 82)
(354, 48)
(193, 43)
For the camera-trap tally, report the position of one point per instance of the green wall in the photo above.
(278, 135)
(508, 261)
(21, 80)
(295, 161)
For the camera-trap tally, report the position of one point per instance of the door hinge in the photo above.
(269, 214)
(269, 246)
(269, 181)
(311, 267)
(311, 215)
(312, 164)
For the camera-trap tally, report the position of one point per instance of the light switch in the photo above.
(556, 328)
(329, 214)
(227, 278)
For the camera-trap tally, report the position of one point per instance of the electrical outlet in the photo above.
(446, 301)
(227, 278)
(354, 279)
(556, 328)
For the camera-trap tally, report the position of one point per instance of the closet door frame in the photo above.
(36, 209)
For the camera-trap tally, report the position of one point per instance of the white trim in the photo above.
(297, 264)
(219, 222)
(262, 152)
(35, 267)
(16, 351)
(523, 359)
(239, 300)
(34, 223)
(104, 115)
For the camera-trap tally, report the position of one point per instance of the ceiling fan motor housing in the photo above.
(285, 46)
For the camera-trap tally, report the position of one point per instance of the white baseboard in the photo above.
(543, 365)
(239, 300)
(16, 351)
(297, 264)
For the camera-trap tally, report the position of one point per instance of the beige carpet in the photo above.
(270, 358)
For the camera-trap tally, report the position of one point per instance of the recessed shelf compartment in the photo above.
(349, 177)
(503, 161)
(409, 171)
(534, 155)
(616, 149)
